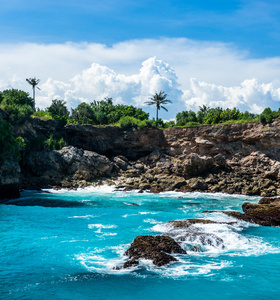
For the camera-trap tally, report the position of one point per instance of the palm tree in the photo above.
(34, 82)
(159, 99)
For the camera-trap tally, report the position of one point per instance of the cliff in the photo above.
(238, 158)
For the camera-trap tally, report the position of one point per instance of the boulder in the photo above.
(196, 165)
(70, 164)
(265, 213)
(155, 248)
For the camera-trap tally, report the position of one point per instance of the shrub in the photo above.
(267, 116)
(42, 114)
(53, 144)
(10, 147)
(58, 110)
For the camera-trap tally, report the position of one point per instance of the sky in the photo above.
(219, 52)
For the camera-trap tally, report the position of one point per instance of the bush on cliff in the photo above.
(17, 104)
(58, 110)
(211, 116)
(42, 114)
(54, 144)
(268, 115)
(10, 147)
(131, 122)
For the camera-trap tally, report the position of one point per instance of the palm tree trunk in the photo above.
(34, 97)
(157, 115)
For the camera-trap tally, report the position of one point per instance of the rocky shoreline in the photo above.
(238, 158)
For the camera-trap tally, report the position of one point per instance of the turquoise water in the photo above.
(71, 251)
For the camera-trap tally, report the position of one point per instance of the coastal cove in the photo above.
(76, 250)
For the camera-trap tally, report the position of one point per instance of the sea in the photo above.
(71, 245)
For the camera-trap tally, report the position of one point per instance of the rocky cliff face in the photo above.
(239, 158)
(9, 180)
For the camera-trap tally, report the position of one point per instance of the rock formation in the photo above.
(68, 167)
(265, 213)
(9, 180)
(155, 248)
(237, 158)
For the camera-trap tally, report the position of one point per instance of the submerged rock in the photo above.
(194, 238)
(155, 248)
(189, 222)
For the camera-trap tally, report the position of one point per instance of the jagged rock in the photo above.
(196, 165)
(194, 238)
(265, 213)
(66, 167)
(189, 222)
(121, 162)
(154, 248)
(156, 190)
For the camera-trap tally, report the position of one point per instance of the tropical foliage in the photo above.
(211, 116)
(17, 104)
(10, 147)
(159, 99)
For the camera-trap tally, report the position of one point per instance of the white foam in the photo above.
(152, 221)
(87, 217)
(234, 242)
(101, 226)
(92, 189)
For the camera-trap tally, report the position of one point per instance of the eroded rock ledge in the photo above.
(239, 158)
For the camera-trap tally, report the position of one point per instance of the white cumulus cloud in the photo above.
(131, 71)
(249, 95)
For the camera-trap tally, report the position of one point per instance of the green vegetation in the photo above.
(159, 99)
(105, 112)
(53, 144)
(211, 116)
(10, 147)
(17, 104)
(58, 110)
(267, 116)
(20, 106)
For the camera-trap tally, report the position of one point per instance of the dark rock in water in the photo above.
(193, 237)
(270, 201)
(189, 222)
(155, 248)
(131, 203)
(265, 213)
(43, 202)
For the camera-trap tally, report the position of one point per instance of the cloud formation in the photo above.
(129, 72)
(249, 95)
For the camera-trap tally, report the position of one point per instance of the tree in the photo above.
(17, 104)
(83, 114)
(159, 99)
(58, 110)
(34, 82)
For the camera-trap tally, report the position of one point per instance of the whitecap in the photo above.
(101, 226)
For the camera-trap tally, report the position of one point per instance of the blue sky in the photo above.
(218, 52)
(250, 25)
